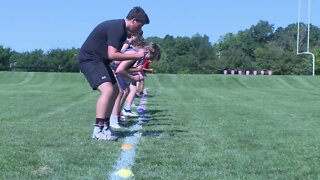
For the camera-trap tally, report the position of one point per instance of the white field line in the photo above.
(126, 159)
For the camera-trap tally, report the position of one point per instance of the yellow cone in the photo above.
(126, 147)
(124, 173)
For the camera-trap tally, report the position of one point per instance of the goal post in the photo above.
(307, 52)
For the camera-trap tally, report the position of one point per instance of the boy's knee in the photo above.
(121, 92)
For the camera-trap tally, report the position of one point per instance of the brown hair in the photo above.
(154, 50)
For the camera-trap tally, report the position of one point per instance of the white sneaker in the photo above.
(129, 113)
(115, 125)
(108, 133)
(98, 133)
(122, 118)
(102, 133)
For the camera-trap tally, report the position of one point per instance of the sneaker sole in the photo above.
(113, 138)
(115, 127)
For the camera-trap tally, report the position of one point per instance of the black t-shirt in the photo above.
(108, 33)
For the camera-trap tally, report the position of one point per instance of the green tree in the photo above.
(62, 60)
(5, 54)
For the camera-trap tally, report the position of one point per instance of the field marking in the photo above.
(122, 169)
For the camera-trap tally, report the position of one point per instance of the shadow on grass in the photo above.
(150, 95)
(153, 118)
(128, 122)
(162, 133)
(124, 134)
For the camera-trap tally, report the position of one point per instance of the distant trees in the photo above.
(261, 47)
(5, 54)
(56, 60)
(185, 55)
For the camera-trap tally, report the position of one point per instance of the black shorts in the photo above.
(97, 73)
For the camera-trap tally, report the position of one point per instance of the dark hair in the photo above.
(139, 14)
(140, 33)
(129, 34)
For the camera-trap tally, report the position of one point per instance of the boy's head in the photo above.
(138, 42)
(135, 35)
(136, 18)
(139, 15)
(154, 51)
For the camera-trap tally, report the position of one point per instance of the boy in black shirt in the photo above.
(103, 45)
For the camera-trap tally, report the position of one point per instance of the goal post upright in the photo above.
(308, 35)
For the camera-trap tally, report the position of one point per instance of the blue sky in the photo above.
(39, 24)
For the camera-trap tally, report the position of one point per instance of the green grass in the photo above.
(46, 123)
(201, 127)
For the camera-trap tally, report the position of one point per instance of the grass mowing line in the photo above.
(25, 80)
(63, 108)
(122, 170)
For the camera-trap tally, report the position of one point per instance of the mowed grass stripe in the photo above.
(232, 127)
(36, 96)
(46, 129)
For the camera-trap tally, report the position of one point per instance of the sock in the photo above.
(107, 122)
(114, 119)
(100, 121)
(127, 108)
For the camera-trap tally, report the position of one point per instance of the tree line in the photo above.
(260, 47)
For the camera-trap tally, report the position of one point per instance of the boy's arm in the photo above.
(124, 65)
(115, 55)
(136, 69)
(150, 70)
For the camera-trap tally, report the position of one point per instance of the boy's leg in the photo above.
(141, 88)
(127, 108)
(100, 77)
(138, 84)
(124, 97)
(114, 118)
(104, 107)
(106, 100)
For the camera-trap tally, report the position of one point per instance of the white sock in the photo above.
(114, 119)
(127, 108)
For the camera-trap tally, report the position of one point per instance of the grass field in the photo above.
(201, 127)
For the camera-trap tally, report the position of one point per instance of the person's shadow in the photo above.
(152, 117)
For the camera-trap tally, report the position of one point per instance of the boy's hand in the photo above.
(140, 68)
(136, 77)
(142, 54)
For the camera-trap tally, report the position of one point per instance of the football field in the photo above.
(200, 127)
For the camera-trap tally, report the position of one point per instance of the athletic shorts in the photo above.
(122, 81)
(97, 73)
(134, 83)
